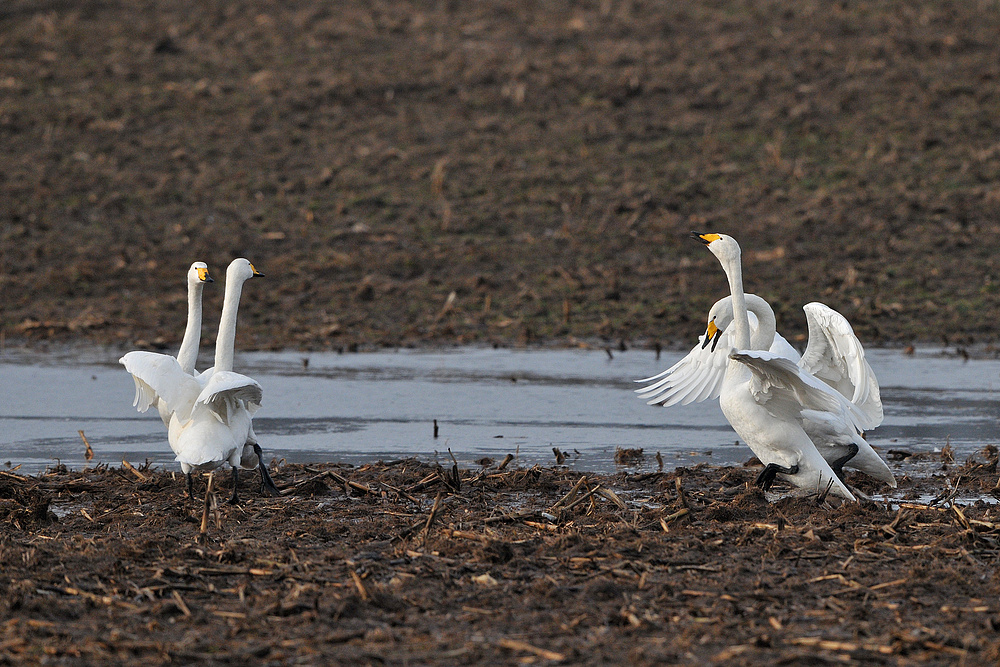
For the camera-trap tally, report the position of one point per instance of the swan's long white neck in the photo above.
(225, 342)
(741, 321)
(187, 356)
(767, 326)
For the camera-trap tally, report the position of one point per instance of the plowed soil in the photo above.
(542, 161)
(408, 563)
(496, 172)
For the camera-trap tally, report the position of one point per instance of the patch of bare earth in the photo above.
(542, 162)
(406, 562)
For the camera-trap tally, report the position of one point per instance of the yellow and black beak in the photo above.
(705, 238)
(204, 277)
(712, 335)
(255, 271)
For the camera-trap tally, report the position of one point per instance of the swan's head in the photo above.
(198, 274)
(241, 270)
(722, 246)
(721, 316)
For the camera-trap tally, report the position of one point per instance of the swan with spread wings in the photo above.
(829, 395)
(209, 414)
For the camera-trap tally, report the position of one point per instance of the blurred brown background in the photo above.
(543, 161)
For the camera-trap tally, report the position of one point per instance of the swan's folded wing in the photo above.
(160, 376)
(782, 347)
(835, 355)
(785, 390)
(694, 378)
(226, 386)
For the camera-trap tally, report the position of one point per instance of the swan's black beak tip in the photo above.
(700, 236)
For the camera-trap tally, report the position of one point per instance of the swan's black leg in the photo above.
(766, 477)
(838, 465)
(267, 486)
(190, 482)
(234, 499)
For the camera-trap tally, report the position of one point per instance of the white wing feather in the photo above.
(786, 390)
(782, 347)
(835, 355)
(696, 377)
(226, 386)
(159, 377)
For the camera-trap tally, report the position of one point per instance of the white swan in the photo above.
(197, 276)
(210, 414)
(768, 399)
(698, 376)
(834, 354)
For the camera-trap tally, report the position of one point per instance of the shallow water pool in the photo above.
(362, 407)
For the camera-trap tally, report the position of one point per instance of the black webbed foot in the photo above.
(766, 477)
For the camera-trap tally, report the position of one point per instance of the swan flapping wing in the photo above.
(696, 377)
(835, 355)
(786, 390)
(227, 386)
(159, 376)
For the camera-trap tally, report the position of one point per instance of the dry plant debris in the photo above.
(401, 562)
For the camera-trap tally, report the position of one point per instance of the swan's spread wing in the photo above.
(786, 391)
(226, 388)
(159, 376)
(835, 355)
(145, 396)
(694, 378)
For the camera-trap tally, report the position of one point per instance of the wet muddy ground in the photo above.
(405, 562)
(542, 161)
(496, 172)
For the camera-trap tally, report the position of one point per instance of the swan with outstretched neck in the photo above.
(767, 398)
(210, 414)
(833, 354)
(187, 356)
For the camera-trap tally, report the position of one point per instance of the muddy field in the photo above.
(543, 161)
(408, 563)
(497, 172)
